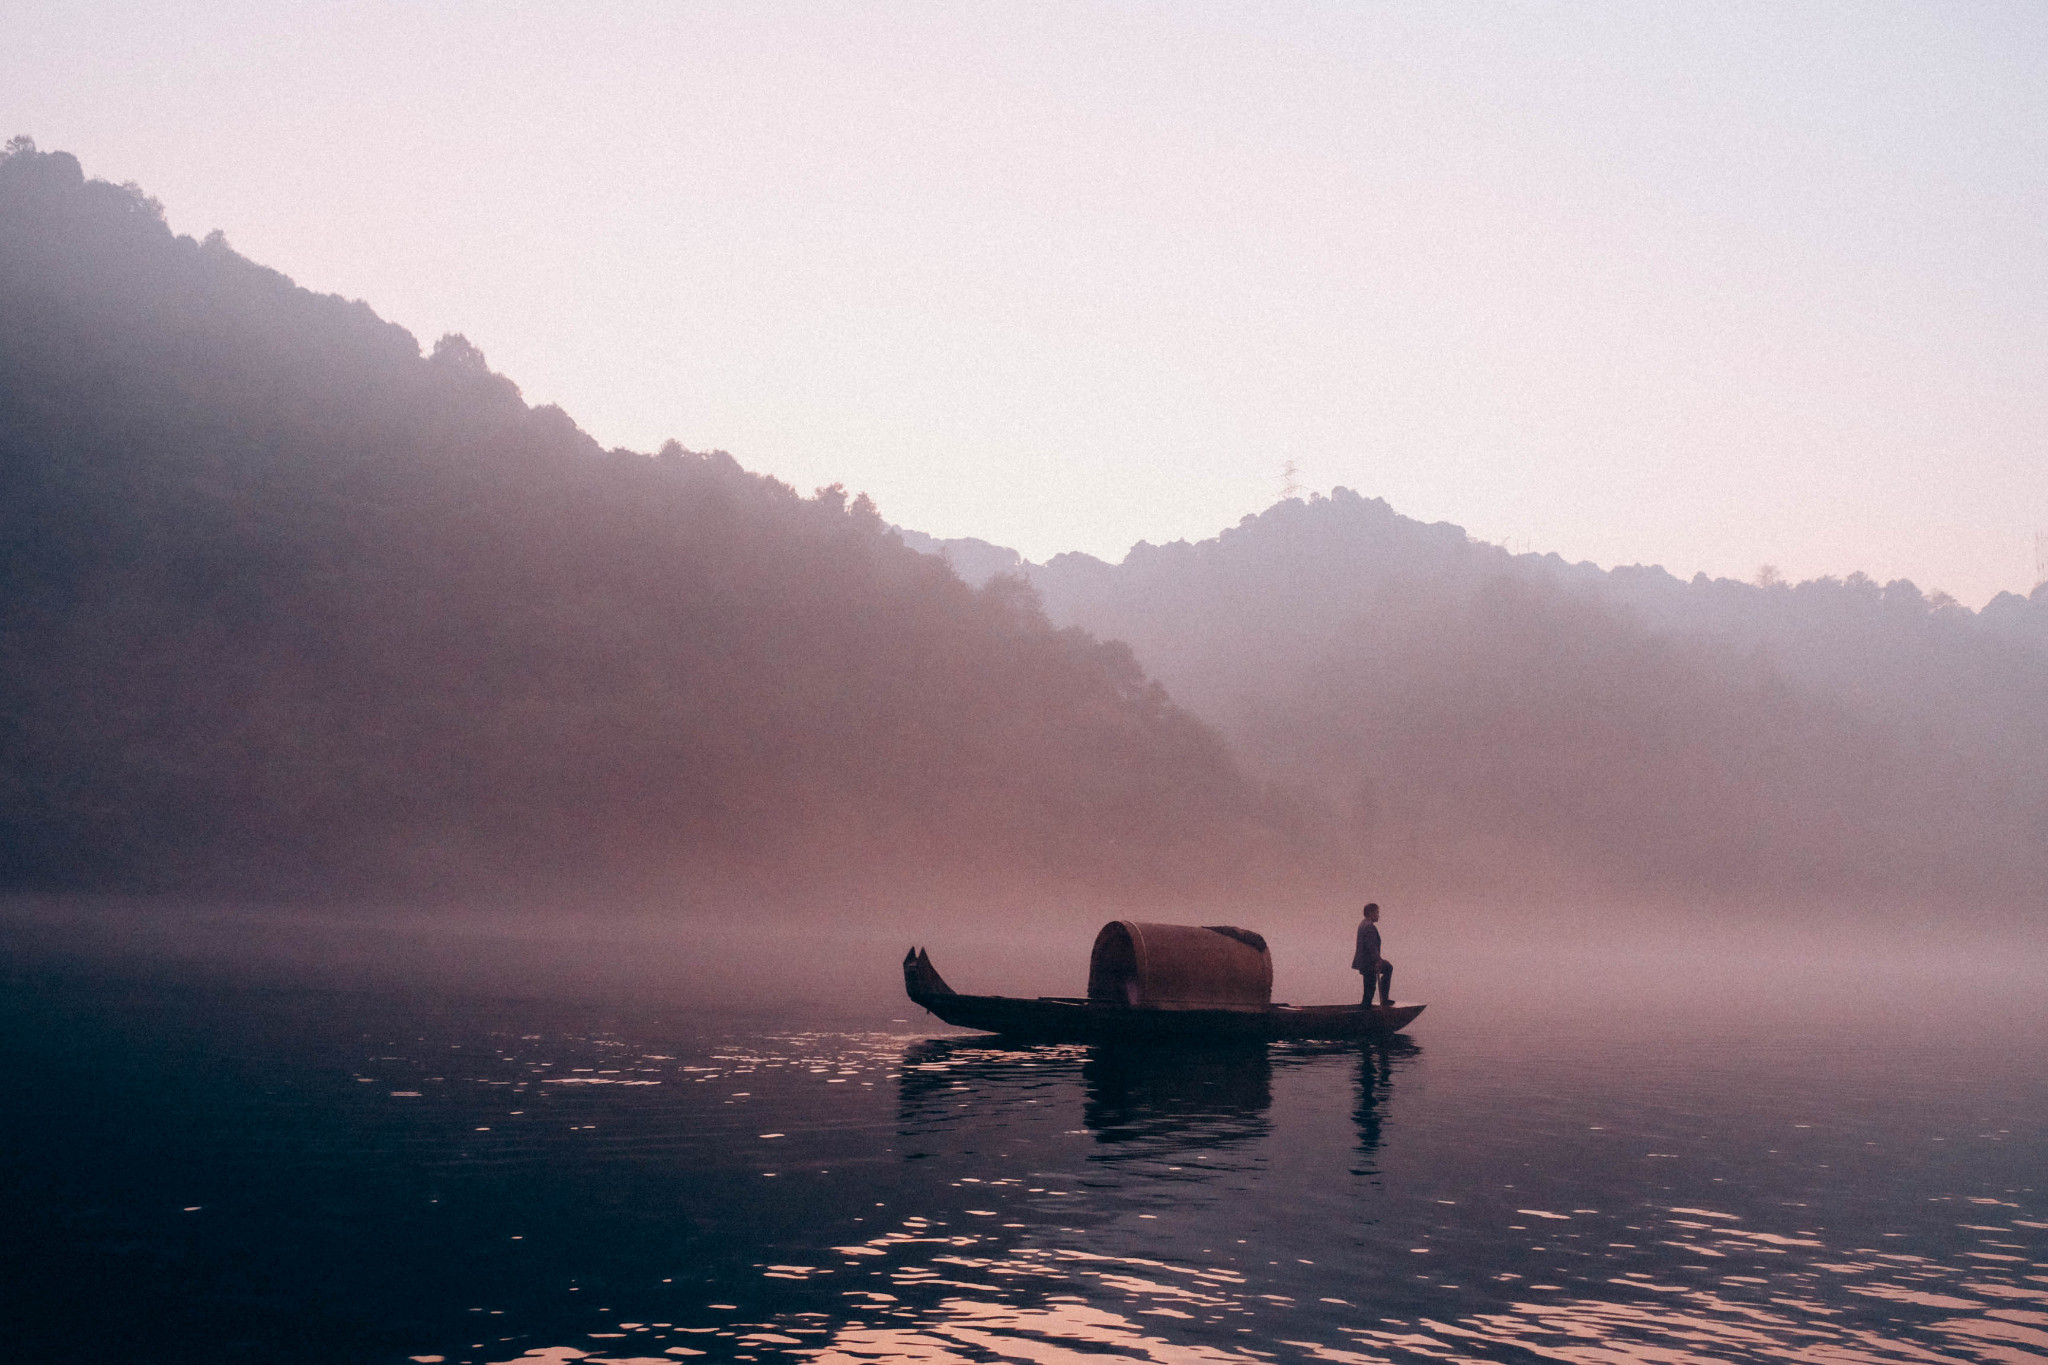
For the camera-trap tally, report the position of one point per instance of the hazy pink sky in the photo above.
(1701, 286)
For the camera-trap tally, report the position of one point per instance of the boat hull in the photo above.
(1068, 1020)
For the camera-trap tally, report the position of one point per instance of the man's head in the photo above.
(1372, 911)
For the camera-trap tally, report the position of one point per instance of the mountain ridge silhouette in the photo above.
(291, 608)
(1520, 721)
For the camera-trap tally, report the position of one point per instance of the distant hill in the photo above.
(1484, 718)
(287, 606)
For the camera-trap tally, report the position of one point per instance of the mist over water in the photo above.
(444, 1154)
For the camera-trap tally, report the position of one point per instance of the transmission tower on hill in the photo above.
(1290, 481)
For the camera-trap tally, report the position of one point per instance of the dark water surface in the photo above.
(199, 1170)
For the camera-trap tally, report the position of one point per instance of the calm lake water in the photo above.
(203, 1169)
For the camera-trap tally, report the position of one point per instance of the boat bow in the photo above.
(921, 980)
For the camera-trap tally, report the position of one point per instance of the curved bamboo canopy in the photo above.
(1180, 966)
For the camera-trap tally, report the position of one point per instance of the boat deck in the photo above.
(1074, 1019)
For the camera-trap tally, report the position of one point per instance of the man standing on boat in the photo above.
(1378, 972)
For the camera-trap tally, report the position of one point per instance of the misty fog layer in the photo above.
(288, 606)
(1521, 723)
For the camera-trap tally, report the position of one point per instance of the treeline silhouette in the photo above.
(1520, 723)
(288, 606)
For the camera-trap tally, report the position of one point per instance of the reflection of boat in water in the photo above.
(1134, 1099)
(1138, 1101)
(1195, 1098)
(1158, 983)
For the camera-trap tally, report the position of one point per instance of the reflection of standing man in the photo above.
(1378, 972)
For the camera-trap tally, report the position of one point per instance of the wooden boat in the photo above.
(1158, 983)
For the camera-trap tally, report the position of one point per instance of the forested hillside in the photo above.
(289, 606)
(1521, 722)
